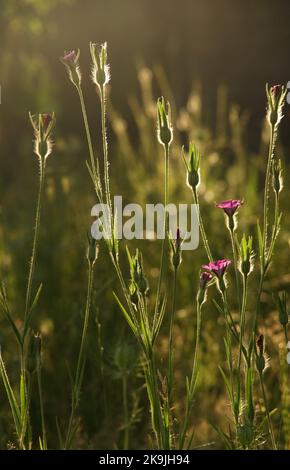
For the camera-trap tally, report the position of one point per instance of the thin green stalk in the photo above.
(36, 236)
(266, 189)
(235, 259)
(95, 170)
(170, 355)
(105, 149)
(165, 230)
(192, 379)
(81, 359)
(242, 320)
(39, 381)
(271, 431)
(202, 229)
(126, 412)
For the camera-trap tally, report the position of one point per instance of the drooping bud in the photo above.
(71, 62)
(43, 125)
(34, 353)
(276, 98)
(260, 354)
(100, 68)
(281, 302)
(277, 181)
(164, 127)
(246, 255)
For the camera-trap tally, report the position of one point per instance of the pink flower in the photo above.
(230, 206)
(204, 279)
(69, 57)
(46, 119)
(275, 90)
(218, 268)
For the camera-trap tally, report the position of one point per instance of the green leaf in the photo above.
(30, 312)
(11, 398)
(126, 315)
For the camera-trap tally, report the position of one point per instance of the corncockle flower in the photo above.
(218, 268)
(71, 61)
(275, 97)
(100, 68)
(230, 206)
(164, 127)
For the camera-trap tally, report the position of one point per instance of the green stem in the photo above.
(35, 239)
(266, 190)
(39, 381)
(165, 230)
(126, 412)
(202, 229)
(192, 379)
(95, 171)
(235, 259)
(271, 431)
(81, 359)
(105, 150)
(170, 356)
(242, 321)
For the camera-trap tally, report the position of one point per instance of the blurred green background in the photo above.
(211, 59)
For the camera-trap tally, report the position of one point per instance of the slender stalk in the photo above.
(105, 149)
(266, 189)
(235, 259)
(36, 236)
(170, 355)
(242, 320)
(271, 431)
(39, 381)
(126, 412)
(95, 170)
(201, 226)
(165, 230)
(192, 379)
(81, 359)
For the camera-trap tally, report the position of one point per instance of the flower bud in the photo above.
(245, 434)
(192, 166)
(260, 354)
(164, 127)
(246, 255)
(43, 125)
(100, 68)
(138, 280)
(71, 61)
(92, 250)
(275, 97)
(277, 181)
(204, 280)
(176, 250)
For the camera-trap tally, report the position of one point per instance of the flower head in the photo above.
(230, 206)
(100, 67)
(218, 268)
(43, 125)
(70, 57)
(275, 97)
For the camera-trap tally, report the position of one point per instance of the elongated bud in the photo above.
(260, 352)
(281, 302)
(34, 353)
(276, 98)
(71, 62)
(277, 181)
(100, 68)
(245, 434)
(176, 250)
(138, 280)
(164, 127)
(246, 255)
(192, 163)
(43, 125)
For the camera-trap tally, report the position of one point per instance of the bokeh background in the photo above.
(211, 59)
